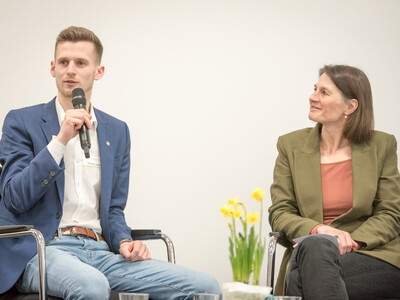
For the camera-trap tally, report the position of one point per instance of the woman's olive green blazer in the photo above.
(296, 195)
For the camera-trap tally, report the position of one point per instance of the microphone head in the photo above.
(78, 98)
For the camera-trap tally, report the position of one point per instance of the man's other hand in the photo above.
(134, 251)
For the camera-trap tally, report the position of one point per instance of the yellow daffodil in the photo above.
(226, 210)
(252, 217)
(234, 202)
(246, 246)
(258, 194)
(237, 213)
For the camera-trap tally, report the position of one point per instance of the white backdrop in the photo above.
(206, 88)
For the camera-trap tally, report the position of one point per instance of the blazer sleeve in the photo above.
(384, 223)
(28, 170)
(284, 213)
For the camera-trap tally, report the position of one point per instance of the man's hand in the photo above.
(73, 121)
(346, 243)
(134, 251)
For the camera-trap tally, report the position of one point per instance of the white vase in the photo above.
(243, 291)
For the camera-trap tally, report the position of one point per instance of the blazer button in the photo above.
(51, 175)
(58, 215)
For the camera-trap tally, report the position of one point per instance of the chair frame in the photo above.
(22, 230)
(271, 259)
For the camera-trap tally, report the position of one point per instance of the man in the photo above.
(77, 202)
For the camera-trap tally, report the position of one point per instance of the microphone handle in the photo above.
(84, 136)
(85, 140)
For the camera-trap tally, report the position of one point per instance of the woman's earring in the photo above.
(345, 116)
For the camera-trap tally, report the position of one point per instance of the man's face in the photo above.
(76, 65)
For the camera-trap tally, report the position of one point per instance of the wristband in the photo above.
(123, 241)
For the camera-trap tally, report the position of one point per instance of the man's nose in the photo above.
(71, 68)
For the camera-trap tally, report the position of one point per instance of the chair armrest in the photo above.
(155, 234)
(139, 234)
(14, 228)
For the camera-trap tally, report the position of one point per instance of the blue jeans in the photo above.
(79, 267)
(318, 271)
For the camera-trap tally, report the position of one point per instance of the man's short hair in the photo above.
(76, 34)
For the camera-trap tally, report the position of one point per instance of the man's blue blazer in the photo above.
(32, 183)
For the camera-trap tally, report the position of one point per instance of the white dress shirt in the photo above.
(82, 178)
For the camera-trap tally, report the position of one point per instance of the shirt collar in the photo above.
(61, 114)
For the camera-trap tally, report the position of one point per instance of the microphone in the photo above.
(79, 101)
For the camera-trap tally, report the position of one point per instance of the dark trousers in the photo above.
(317, 271)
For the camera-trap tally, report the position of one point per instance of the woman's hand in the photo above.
(346, 243)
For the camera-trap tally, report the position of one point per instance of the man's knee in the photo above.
(89, 287)
(206, 284)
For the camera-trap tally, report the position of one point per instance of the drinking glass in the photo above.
(204, 296)
(133, 296)
(284, 297)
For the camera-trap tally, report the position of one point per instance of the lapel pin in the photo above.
(108, 143)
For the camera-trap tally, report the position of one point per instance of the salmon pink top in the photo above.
(337, 190)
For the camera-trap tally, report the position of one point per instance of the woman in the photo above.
(341, 179)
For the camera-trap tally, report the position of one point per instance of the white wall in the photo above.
(206, 88)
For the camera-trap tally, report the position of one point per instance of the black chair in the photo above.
(20, 230)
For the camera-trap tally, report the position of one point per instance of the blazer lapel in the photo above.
(364, 167)
(307, 175)
(104, 135)
(51, 127)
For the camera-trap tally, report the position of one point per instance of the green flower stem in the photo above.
(259, 251)
(261, 218)
(244, 220)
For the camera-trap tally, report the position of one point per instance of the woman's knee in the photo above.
(314, 252)
(315, 245)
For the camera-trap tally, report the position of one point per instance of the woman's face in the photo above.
(327, 105)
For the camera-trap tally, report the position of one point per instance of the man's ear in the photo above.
(352, 105)
(52, 68)
(99, 72)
